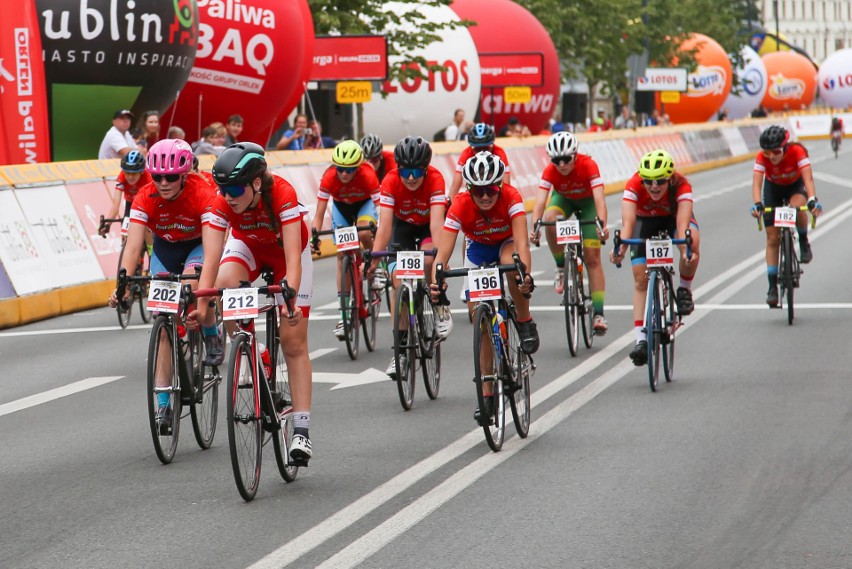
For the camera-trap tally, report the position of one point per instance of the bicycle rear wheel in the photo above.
(404, 348)
(521, 368)
(349, 306)
(653, 327)
(587, 310)
(785, 272)
(162, 362)
(486, 369)
(205, 392)
(430, 347)
(245, 434)
(373, 300)
(671, 321)
(570, 304)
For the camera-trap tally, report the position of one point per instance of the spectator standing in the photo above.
(626, 119)
(234, 128)
(294, 138)
(149, 124)
(212, 140)
(456, 129)
(314, 137)
(598, 125)
(607, 124)
(514, 128)
(117, 141)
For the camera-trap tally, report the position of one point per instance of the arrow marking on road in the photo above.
(343, 380)
(59, 392)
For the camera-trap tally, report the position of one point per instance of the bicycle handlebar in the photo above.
(770, 209)
(617, 242)
(269, 290)
(103, 225)
(516, 266)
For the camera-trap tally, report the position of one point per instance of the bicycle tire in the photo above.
(521, 369)
(245, 429)
(204, 409)
(587, 309)
(653, 326)
(373, 298)
(494, 427)
(280, 385)
(404, 345)
(789, 275)
(165, 439)
(569, 302)
(349, 306)
(430, 346)
(671, 321)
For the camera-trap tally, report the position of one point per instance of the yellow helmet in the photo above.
(656, 165)
(348, 154)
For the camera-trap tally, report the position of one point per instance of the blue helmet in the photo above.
(481, 134)
(133, 162)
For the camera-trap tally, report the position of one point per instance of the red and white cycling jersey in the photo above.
(789, 170)
(364, 185)
(679, 190)
(254, 224)
(130, 190)
(468, 152)
(490, 227)
(177, 220)
(413, 206)
(578, 184)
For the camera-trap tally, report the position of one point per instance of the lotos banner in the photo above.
(24, 133)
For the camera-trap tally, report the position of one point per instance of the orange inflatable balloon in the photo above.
(708, 85)
(792, 81)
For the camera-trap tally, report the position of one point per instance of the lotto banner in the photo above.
(24, 136)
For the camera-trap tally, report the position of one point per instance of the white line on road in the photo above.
(57, 393)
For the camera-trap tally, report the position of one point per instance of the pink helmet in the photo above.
(170, 156)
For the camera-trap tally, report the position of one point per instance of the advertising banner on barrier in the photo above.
(6, 288)
(23, 106)
(19, 250)
(60, 235)
(90, 202)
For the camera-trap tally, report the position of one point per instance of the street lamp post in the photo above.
(777, 32)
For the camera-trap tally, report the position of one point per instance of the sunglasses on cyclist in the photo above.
(773, 152)
(415, 173)
(346, 170)
(660, 182)
(232, 191)
(483, 191)
(563, 160)
(170, 178)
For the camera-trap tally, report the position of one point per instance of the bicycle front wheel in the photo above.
(786, 280)
(205, 393)
(349, 306)
(489, 385)
(245, 434)
(404, 348)
(653, 327)
(430, 347)
(570, 301)
(164, 404)
(671, 321)
(521, 369)
(373, 300)
(587, 309)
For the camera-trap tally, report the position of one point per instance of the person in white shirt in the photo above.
(454, 131)
(117, 142)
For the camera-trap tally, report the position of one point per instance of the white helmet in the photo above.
(561, 144)
(483, 169)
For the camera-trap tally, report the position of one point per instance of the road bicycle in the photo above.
(361, 308)
(662, 319)
(176, 365)
(138, 289)
(415, 336)
(259, 401)
(789, 269)
(576, 292)
(502, 370)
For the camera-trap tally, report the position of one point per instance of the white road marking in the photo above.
(57, 393)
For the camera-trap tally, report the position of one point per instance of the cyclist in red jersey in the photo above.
(132, 177)
(657, 199)
(480, 138)
(783, 171)
(574, 184)
(353, 188)
(268, 231)
(411, 208)
(176, 208)
(376, 156)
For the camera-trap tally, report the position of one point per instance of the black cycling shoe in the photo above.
(683, 299)
(489, 412)
(805, 253)
(529, 336)
(772, 297)
(639, 355)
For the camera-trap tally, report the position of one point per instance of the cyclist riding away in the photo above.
(411, 209)
(783, 171)
(268, 231)
(657, 199)
(577, 187)
(376, 156)
(353, 188)
(837, 132)
(176, 208)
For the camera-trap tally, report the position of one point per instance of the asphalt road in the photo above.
(745, 460)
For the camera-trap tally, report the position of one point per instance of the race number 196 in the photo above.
(484, 284)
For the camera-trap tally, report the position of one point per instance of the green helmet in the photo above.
(656, 165)
(348, 154)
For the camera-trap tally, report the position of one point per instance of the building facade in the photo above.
(820, 27)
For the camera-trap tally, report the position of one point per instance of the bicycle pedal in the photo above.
(298, 462)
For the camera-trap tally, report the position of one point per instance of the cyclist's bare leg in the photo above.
(556, 250)
(640, 291)
(773, 244)
(294, 342)
(592, 258)
(799, 200)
